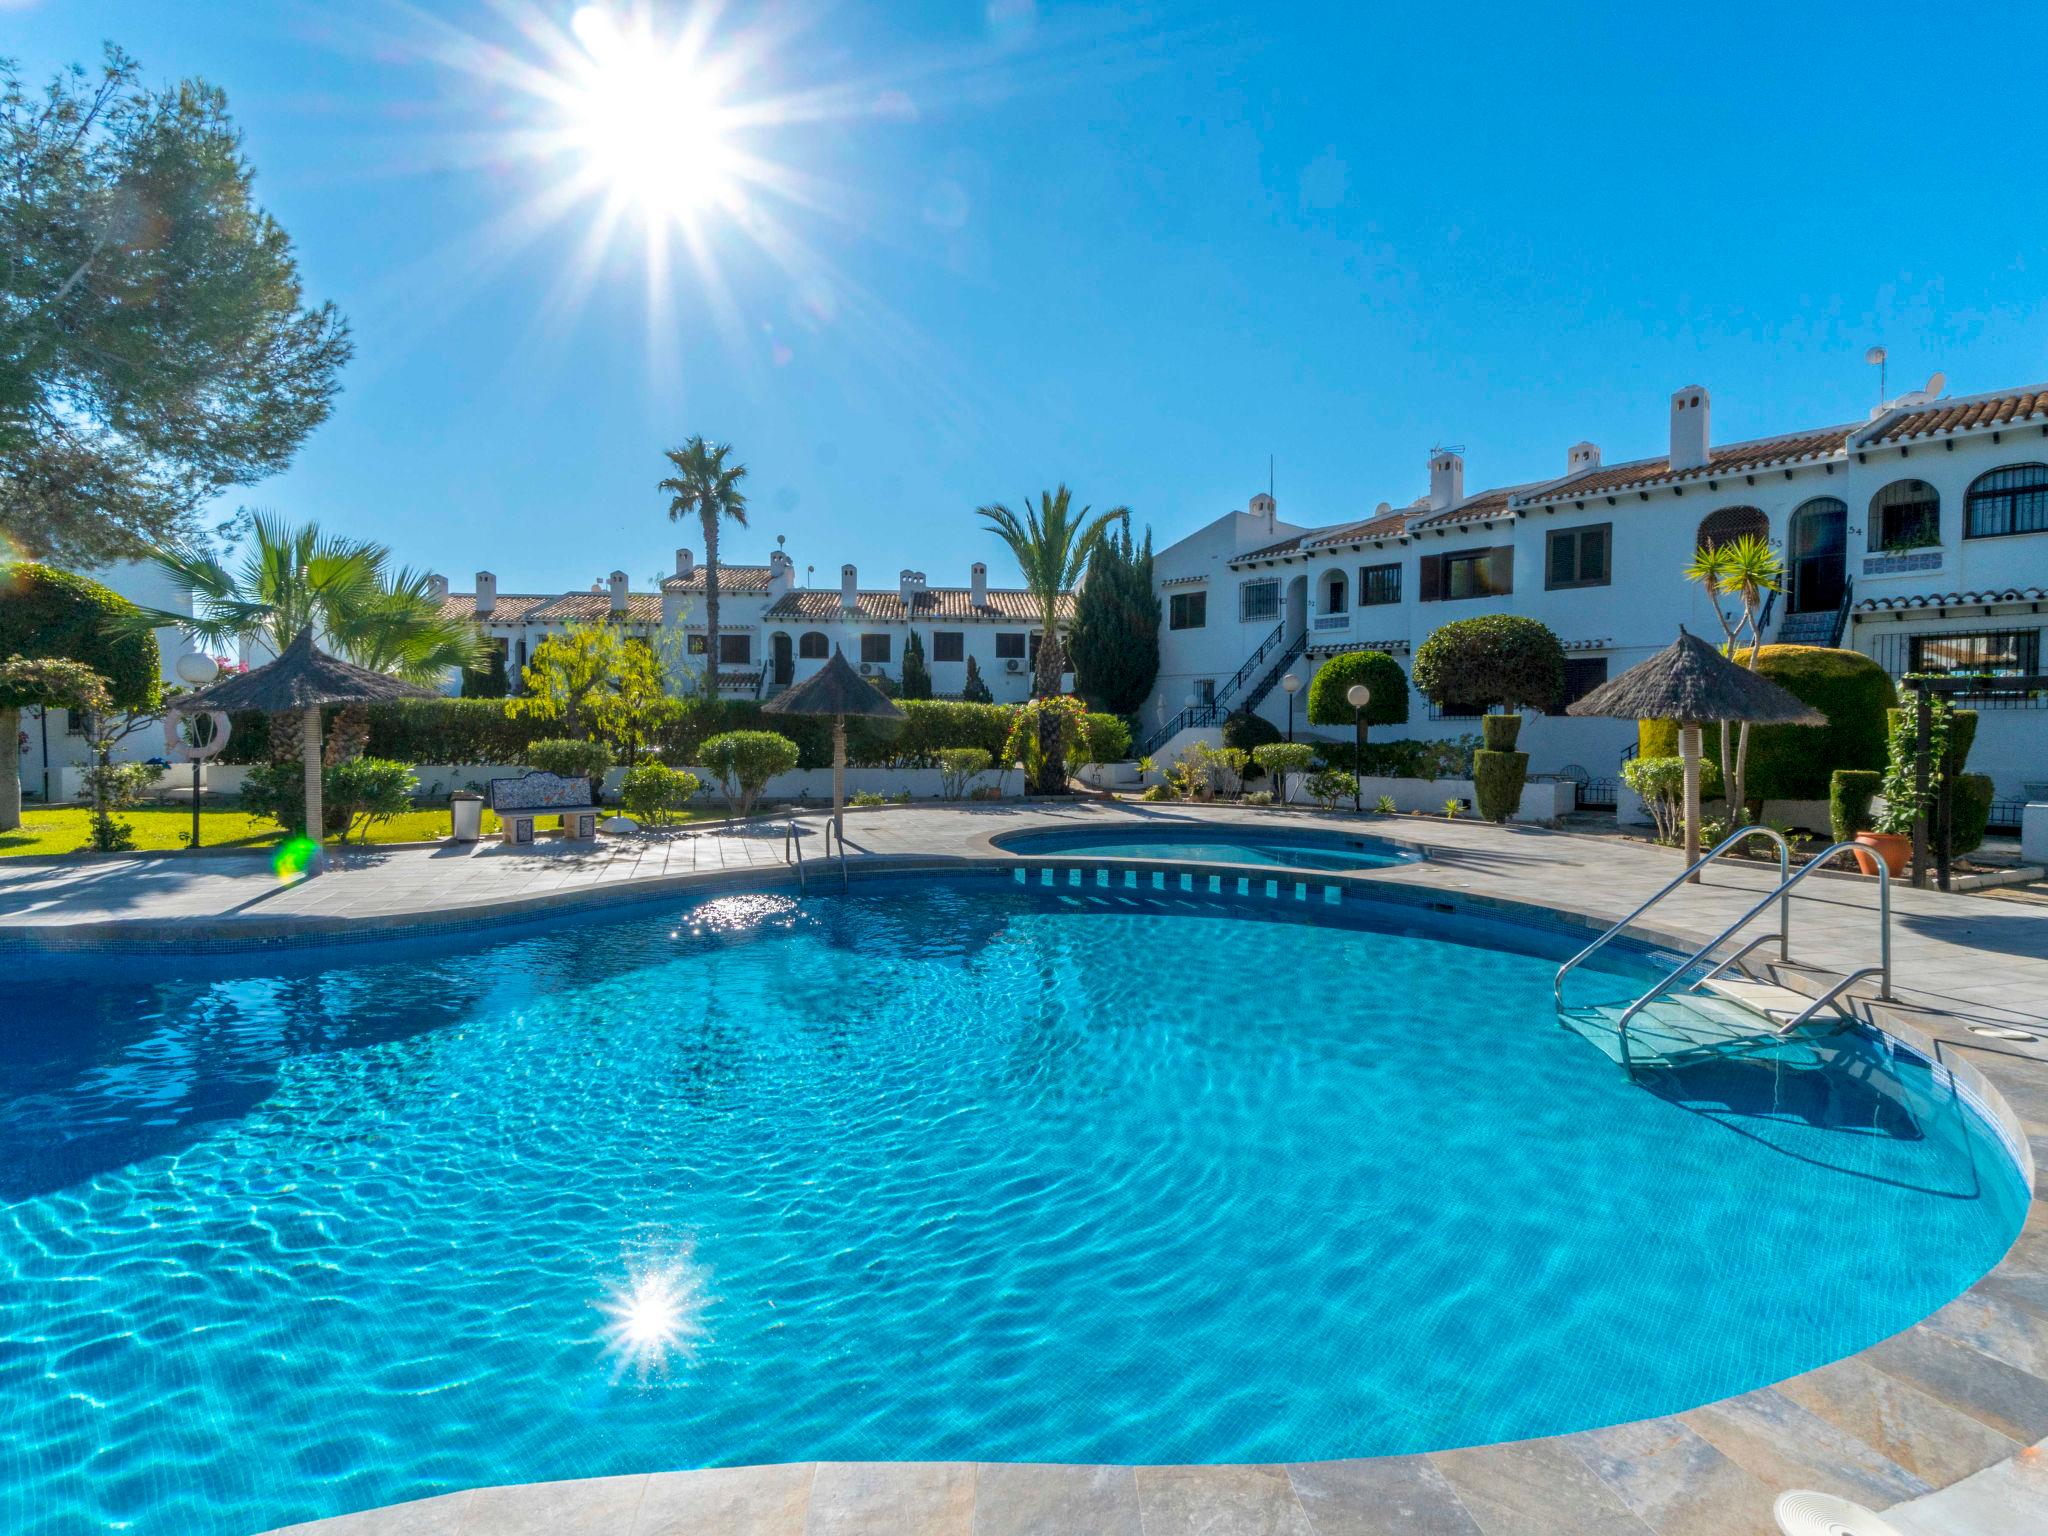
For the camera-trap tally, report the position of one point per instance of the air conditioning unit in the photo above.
(1013, 665)
(867, 669)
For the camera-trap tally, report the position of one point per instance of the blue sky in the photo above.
(1134, 250)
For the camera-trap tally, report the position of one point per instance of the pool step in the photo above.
(1735, 1018)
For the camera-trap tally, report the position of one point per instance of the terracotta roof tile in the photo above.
(1977, 411)
(1473, 509)
(573, 607)
(1732, 459)
(1953, 599)
(511, 607)
(731, 578)
(1387, 526)
(1005, 605)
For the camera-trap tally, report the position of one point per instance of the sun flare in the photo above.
(642, 116)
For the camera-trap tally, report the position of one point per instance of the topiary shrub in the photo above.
(1498, 658)
(1850, 791)
(1500, 732)
(1971, 808)
(655, 793)
(744, 762)
(1497, 780)
(1327, 704)
(1795, 762)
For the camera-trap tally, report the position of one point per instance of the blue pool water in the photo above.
(934, 1169)
(1219, 844)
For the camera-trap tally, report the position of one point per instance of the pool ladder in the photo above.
(1781, 893)
(793, 853)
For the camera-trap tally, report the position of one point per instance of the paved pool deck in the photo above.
(1943, 1428)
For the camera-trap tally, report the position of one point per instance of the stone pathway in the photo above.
(1942, 1427)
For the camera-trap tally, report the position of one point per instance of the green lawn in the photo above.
(64, 829)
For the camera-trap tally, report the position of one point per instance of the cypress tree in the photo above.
(1115, 645)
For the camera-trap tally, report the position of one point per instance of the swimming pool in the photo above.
(1218, 843)
(940, 1168)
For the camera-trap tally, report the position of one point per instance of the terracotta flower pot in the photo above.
(1895, 848)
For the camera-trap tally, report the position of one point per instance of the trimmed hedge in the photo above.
(1795, 762)
(1327, 704)
(467, 731)
(1850, 792)
(50, 614)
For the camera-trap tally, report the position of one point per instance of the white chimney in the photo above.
(685, 562)
(437, 585)
(977, 584)
(781, 575)
(849, 588)
(618, 586)
(906, 586)
(1446, 480)
(486, 593)
(1581, 458)
(1689, 439)
(1263, 506)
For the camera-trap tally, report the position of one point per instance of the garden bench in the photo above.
(520, 801)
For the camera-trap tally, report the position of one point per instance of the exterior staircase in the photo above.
(1732, 1016)
(1824, 628)
(1243, 692)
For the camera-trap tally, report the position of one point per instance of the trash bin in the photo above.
(468, 813)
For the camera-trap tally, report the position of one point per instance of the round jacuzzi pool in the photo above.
(1219, 842)
(935, 1169)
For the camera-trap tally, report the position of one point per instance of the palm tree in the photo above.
(1052, 544)
(705, 484)
(1744, 568)
(295, 578)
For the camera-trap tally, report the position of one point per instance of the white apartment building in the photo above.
(773, 633)
(1918, 536)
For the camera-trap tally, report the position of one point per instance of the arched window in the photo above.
(1336, 593)
(812, 646)
(1905, 515)
(1730, 524)
(2009, 500)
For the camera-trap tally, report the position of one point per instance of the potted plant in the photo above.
(1890, 837)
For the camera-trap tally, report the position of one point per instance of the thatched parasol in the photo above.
(303, 678)
(837, 690)
(1691, 682)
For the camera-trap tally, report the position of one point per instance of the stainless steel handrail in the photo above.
(830, 828)
(791, 839)
(1831, 994)
(1781, 894)
(1785, 919)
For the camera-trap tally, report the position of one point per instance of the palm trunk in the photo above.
(1689, 751)
(10, 768)
(711, 605)
(1045, 680)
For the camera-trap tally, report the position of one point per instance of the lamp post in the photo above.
(1293, 686)
(1360, 696)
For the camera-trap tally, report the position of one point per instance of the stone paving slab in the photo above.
(1944, 1423)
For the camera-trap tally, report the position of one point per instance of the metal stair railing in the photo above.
(1730, 841)
(792, 839)
(1217, 708)
(1265, 685)
(1782, 895)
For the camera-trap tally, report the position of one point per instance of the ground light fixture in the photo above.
(1293, 686)
(1360, 696)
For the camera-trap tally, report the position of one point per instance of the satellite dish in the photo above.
(1936, 383)
(1874, 357)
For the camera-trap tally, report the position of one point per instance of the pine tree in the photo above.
(917, 677)
(1115, 646)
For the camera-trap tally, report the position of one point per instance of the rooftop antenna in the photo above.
(1269, 474)
(1875, 357)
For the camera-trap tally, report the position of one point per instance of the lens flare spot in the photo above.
(295, 858)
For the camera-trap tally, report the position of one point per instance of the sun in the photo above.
(643, 119)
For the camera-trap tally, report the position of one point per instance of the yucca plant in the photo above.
(1743, 568)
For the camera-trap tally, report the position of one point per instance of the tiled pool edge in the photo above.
(1661, 1475)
